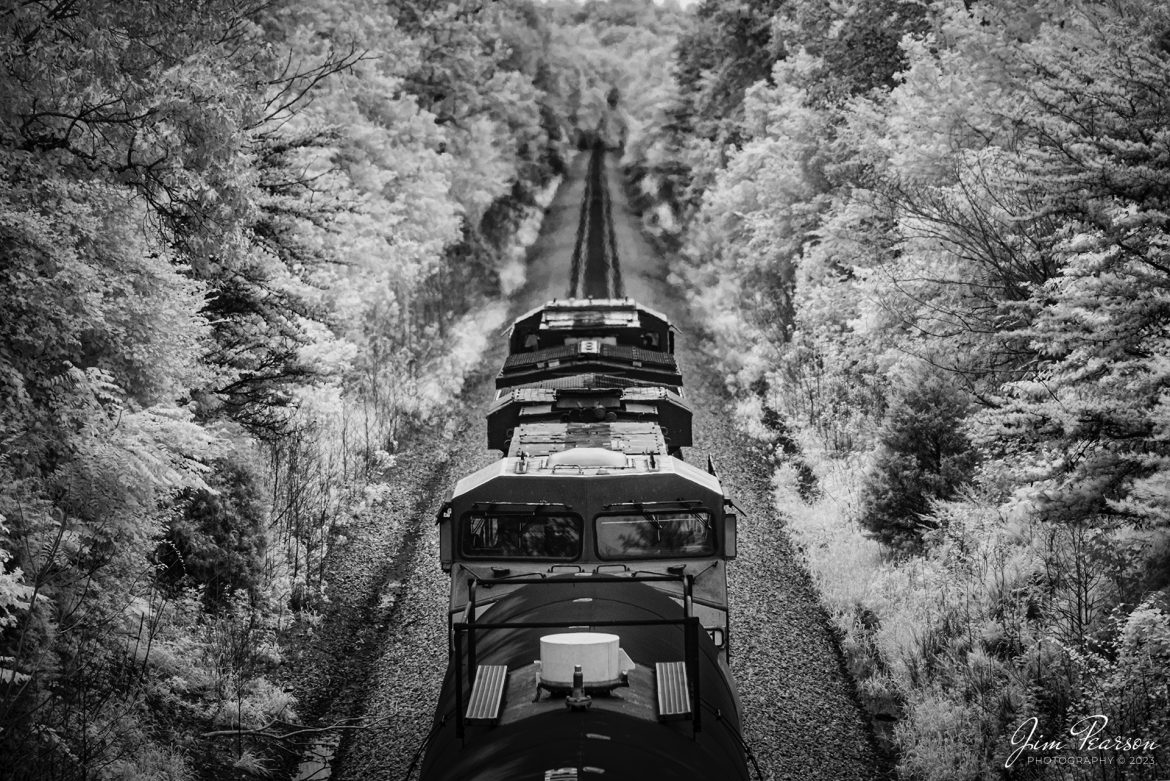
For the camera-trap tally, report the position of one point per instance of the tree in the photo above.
(731, 47)
(216, 541)
(922, 455)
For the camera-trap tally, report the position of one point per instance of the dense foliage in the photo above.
(244, 250)
(236, 244)
(932, 238)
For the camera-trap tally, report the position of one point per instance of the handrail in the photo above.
(690, 624)
(688, 621)
(543, 579)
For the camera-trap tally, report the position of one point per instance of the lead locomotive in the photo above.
(588, 610)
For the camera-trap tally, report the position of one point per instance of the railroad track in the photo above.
(596, 269)
(799, 715)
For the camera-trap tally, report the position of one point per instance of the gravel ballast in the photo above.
(381, 650)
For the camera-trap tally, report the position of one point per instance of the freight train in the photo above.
(588, 614)
(588, 609)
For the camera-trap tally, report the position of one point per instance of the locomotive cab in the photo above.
(591, 511)
(612, 321)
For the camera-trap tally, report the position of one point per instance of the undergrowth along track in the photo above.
(800, 714)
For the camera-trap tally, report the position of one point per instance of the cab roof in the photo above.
(579, 462)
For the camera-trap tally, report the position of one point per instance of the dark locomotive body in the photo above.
(588, 607)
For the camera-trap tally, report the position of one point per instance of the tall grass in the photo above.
(1001, 618)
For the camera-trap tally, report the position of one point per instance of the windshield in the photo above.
(648, 535)
(521, 536)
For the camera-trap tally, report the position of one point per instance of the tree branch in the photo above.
(294, 730)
